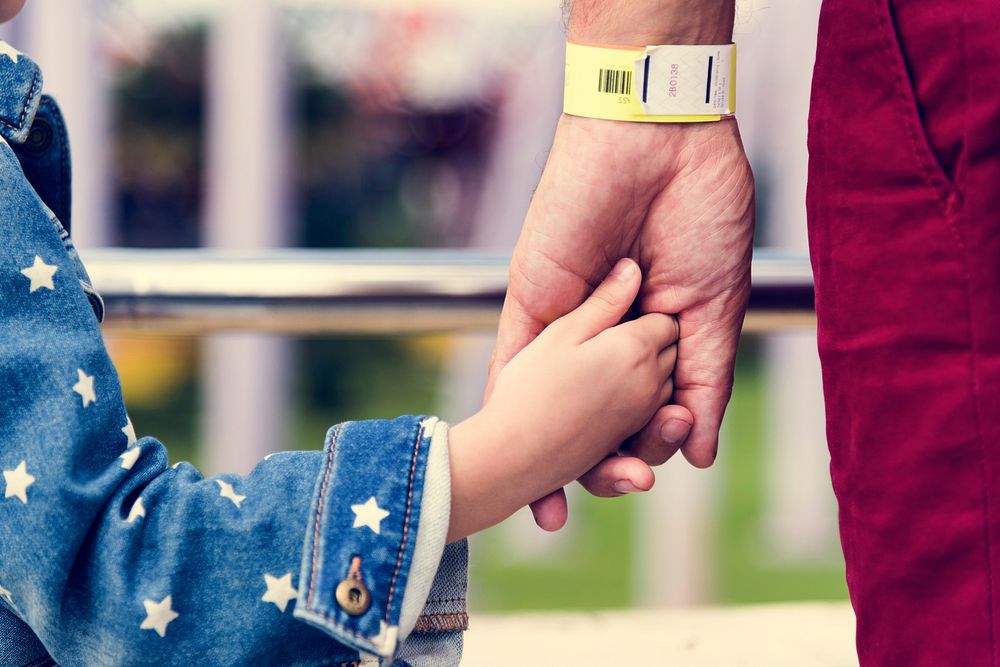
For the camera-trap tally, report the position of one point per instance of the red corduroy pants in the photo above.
(904, 216)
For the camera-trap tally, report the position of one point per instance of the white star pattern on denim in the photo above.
(9, 51)
(279, 590)
(85, 387)
(159, 615)
(40, 274)
(138, 510)
(129, 432)
(369, 514)
(227, 491)
(130, 457)
(18, 480)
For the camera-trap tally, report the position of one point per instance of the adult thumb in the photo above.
(608, 304)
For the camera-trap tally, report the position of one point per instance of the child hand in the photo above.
(562, 404)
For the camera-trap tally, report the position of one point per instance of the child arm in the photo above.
(112, 557)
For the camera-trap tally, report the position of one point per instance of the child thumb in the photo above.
(608, 304)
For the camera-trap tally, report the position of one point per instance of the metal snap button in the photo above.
(353, 597)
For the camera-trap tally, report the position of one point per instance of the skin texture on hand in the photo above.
(679, 199)
(562, 404)
(642, 22)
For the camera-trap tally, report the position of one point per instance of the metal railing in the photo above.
(307, 292)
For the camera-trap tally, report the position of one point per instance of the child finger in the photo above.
(667, 390)
(551, 511)
(667, 359)
(655, 330)
(606, 306)
(617, 475)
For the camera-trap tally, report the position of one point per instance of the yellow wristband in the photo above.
(657, 84)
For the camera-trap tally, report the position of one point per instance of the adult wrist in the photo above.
(651, 22)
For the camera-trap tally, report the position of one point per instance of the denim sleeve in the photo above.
(114, 558)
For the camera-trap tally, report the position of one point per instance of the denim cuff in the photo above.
(362, 533)
(437, 638)
(21, 83)
(446, 607)
(435, 514)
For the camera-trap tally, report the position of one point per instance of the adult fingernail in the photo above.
(675, 431)
(625, 486)
(624, 269)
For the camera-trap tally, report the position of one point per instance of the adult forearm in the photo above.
(643, 22)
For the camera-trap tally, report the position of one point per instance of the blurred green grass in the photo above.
(743, 575)
(594, 571)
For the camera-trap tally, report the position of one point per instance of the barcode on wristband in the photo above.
(615, 81)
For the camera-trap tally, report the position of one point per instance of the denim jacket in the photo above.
(108, 556)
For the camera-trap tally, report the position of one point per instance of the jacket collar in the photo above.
(20, 93)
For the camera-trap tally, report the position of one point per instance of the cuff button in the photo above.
(353, 597)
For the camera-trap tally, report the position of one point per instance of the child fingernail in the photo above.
(625, 486)
(624, 269)
(675, 431)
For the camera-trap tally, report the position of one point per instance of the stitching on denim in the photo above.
(406, 520)
(310, 611)
(319, 516)
(443, 600)
(27, 102)
(449, 622)
(329, 617)
(444, 613)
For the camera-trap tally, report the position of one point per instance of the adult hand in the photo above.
(678, 198)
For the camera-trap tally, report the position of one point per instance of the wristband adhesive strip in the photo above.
(655, 84)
